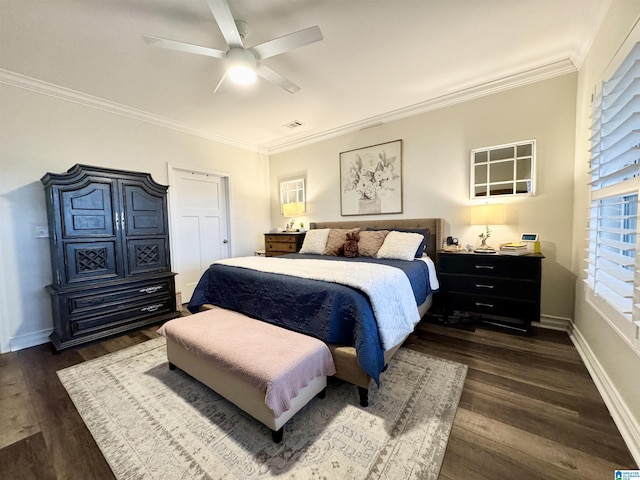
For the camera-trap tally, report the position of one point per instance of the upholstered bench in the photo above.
(267, 371)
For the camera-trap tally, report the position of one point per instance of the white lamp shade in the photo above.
(487, 214)
(293, 209)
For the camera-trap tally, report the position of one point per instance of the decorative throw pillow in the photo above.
(337, 237)
(315, 241)
(400, 245)
(425, 232)
(370, 242)
(350, 247)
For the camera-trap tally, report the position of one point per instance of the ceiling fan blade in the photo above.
(288, 42)
(219, 83)
(183, 47)
(277, 79)
(226, 22)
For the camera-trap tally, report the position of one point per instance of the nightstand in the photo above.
(282, 243)
(500, 290)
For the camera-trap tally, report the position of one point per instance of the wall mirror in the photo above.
(504, 170)
(292, 191)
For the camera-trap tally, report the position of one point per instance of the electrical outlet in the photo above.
(41, 231)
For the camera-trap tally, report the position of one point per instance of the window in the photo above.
(503, 170)
(292, 191)
(612, 273)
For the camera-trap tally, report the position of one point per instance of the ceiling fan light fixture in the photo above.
(241, 66)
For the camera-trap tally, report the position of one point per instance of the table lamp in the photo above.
(291, 210)
(486, 214)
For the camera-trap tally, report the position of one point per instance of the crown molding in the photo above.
(582, 46)
(550, 70)
(45, 88)
(533, 75)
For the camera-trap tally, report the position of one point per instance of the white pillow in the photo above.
(315, 241)
(400, 245)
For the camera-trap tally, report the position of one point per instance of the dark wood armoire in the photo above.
(110, 256)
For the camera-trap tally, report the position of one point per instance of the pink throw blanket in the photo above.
(272, 359)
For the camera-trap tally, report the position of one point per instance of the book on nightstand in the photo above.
(514, 249)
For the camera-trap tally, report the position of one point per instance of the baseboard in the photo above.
(554, 323)
(627, 425)
(29, 340)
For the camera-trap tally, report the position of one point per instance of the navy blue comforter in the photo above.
(331, 312)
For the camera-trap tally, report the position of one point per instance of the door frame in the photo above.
(225, 177)
(5, 336)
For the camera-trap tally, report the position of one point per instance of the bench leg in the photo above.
(171, 366)
(364, 396)
(322, 394)
(277, 435)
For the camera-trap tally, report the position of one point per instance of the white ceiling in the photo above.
(379, 59)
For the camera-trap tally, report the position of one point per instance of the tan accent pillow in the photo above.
(370, 242)
(337, 237)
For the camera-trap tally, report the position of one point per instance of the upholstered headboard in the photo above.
(435, 225)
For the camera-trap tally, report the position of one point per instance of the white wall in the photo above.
(40, 134)
(614, 365)
(436, 147)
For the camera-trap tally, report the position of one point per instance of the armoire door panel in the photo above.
(96, 260)
(87, 211)
(146, 256)
(144, 212)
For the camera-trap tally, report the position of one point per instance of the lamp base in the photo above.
(485, 250)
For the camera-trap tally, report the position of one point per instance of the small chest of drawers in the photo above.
(282, 243)
(502, 290)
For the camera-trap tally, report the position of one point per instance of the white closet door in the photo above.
(199, 225)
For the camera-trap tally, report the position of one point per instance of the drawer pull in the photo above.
(151, 308)
(489, 267)
(480, 285)
(480, 304)
(95, 301)
(150, 289)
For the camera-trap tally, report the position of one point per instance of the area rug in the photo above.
(154, 423)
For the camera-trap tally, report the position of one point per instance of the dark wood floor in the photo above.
(529, 410)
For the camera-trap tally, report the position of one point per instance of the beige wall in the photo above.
(40, 134)
(614, 365)
(436, 172)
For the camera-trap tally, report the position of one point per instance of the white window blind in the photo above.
(612, 272)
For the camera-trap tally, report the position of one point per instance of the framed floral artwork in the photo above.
(371, 179)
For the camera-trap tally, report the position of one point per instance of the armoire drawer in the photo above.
(126, 312)
(92, 301)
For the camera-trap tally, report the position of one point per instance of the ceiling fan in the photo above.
(243, 64)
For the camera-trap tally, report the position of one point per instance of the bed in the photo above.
(341, 315)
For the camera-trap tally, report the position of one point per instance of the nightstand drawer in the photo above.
(491, 286)
(491, 265)
(272, 247)
(496, 306)
(280, 238)
(276, 244)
